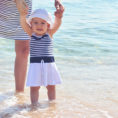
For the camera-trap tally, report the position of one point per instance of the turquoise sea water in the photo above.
(86, 52)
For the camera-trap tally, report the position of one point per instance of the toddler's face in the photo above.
(39, 26)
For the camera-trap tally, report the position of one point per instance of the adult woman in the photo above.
(10, 28)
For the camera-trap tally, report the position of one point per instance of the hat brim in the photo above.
(28, 20)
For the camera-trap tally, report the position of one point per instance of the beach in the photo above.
(86, 54)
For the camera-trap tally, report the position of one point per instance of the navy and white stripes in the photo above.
(10, 20)
(41, 46)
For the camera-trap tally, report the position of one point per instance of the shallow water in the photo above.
(86, 48)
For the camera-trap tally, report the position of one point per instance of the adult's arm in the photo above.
(21, 6)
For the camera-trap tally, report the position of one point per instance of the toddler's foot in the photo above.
(34, 106)
(52, 101)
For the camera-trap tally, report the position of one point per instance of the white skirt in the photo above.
(43, 74)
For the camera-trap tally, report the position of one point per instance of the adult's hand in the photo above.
(59, 12)
(57, 4)
(22, 7)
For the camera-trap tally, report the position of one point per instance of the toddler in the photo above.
(42, 68)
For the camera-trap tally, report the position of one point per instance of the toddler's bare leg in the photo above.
(51, 92)
(34, 95)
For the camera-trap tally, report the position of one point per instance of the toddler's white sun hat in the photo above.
(40, 13)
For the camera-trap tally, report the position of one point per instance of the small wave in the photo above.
(106, 114)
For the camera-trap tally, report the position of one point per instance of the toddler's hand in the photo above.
(59, 11)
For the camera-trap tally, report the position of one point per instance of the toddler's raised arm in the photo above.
(26, 27)
(58, 19)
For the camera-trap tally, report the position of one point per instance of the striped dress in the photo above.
(9, 20)
(42, 68)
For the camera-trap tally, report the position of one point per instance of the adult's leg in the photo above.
(34, 95)
(20, 69)
(51, 92)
